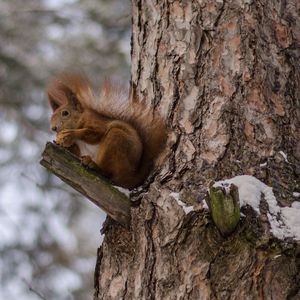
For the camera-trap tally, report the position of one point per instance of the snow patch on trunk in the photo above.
(187, 209)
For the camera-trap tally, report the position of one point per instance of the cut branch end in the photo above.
(88, 182)
(225, 208)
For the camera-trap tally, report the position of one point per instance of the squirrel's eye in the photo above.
(64, 113)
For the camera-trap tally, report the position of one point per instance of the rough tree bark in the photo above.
(225, 75)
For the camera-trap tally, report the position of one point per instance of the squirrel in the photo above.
(112, 133)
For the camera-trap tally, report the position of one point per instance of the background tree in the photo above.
(225, 75)
(48, 237)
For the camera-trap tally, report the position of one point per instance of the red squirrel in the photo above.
(118, 136)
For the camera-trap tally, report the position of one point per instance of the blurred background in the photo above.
(49, 234)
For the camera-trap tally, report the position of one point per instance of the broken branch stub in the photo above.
(88, 182)
(225, 208)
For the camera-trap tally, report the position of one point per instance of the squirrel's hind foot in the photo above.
(87, 161)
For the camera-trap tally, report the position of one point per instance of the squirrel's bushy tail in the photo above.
(153, 133)
(114, 102)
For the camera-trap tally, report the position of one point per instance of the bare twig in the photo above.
(31, 289)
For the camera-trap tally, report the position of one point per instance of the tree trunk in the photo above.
(225, 75)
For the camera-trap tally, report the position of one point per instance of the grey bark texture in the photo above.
(225, 75)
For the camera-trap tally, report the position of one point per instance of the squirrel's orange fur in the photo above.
(121, 137)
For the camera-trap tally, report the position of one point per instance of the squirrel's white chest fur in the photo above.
(87, 149)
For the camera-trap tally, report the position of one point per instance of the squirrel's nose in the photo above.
(54, 128)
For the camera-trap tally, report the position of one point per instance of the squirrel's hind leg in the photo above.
(119, 156)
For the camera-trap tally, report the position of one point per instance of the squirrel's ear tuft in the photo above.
(75, 103)
(56, 94)
(54, 102)
(69, 89)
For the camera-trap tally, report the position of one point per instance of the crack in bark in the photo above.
(125, 290)
(174, 148)
(156, 84)
(97, 272)
(151, 255)
(222, 9)
(230, 115)
(166, 8)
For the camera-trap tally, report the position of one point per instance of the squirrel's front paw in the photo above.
(65, 139)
